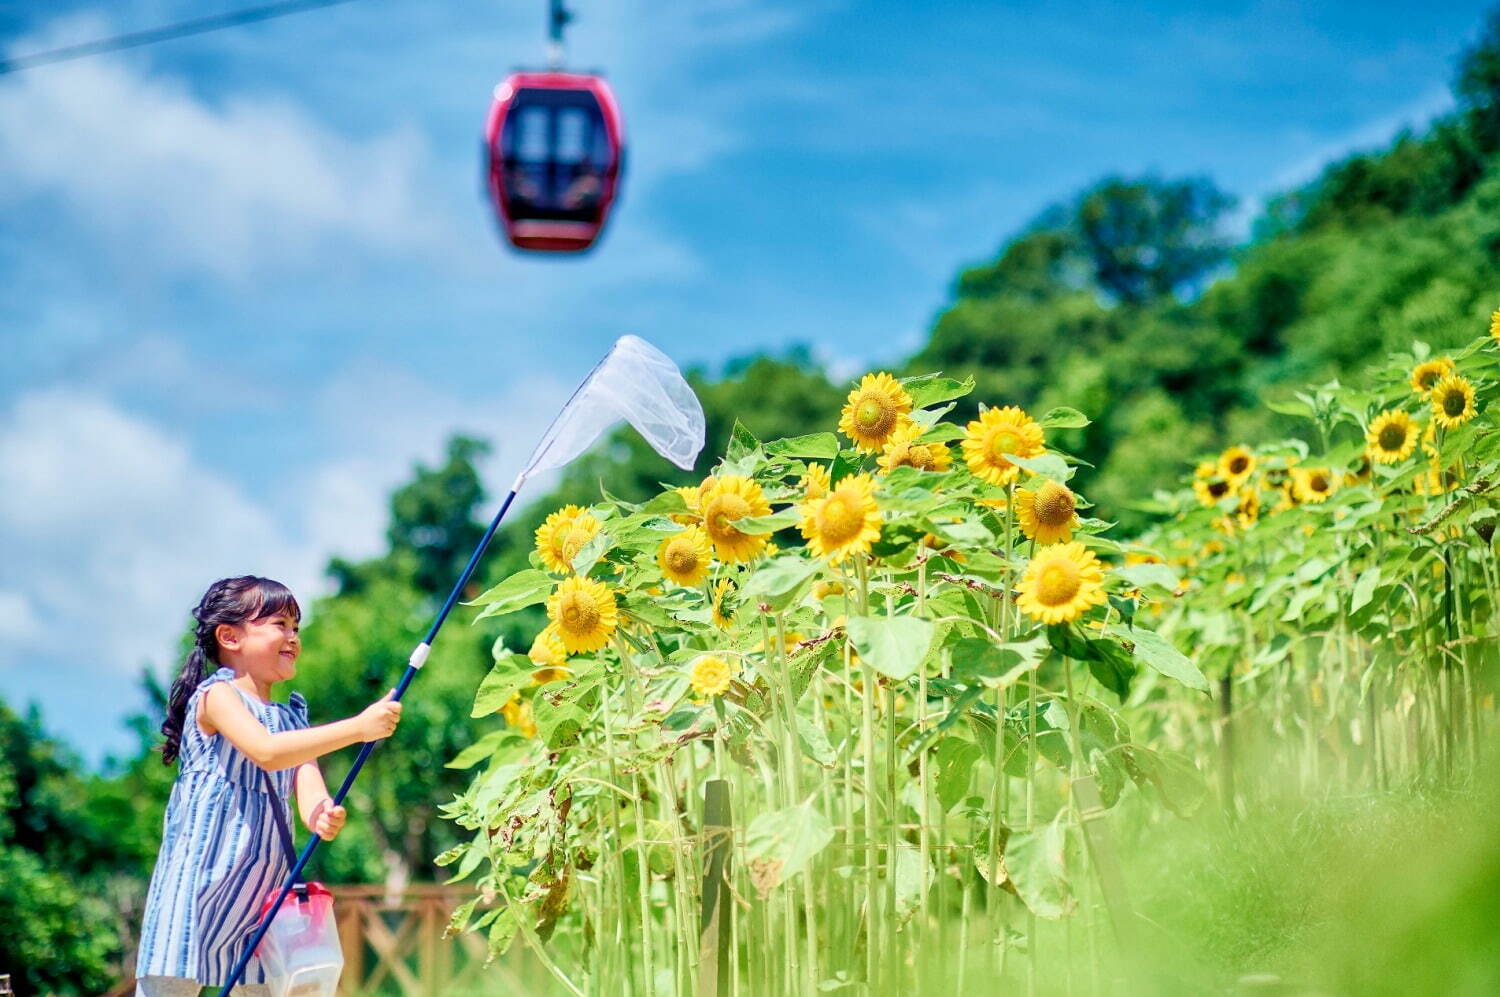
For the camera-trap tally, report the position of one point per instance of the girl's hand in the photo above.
(379, 719)
(329, 820)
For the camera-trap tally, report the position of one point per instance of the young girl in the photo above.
(221, 853)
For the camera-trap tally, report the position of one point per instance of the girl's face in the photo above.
(266, 648)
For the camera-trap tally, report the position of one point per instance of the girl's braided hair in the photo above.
(229, 600)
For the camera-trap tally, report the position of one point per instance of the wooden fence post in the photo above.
(714, 938)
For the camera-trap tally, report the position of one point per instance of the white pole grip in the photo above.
(419, 656)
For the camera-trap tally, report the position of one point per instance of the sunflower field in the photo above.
(861, 708)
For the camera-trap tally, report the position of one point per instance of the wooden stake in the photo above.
(715, 944)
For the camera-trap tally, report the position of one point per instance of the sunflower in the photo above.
(1428, 373)
(815, 482)
(1247, 512)
(1453, 401)
(997, 432)
(548, 650)
(846, 521)
(584, 613)
(873, 411)
(1061, 583)
(903, 450)
(684, 557)
(691, 497)
(723, 610)
(1210, 490)
(1313, 484)
(1390, 437)
(1047, 514)
(562, 536)
(1495, 325)
(1235, 464)
(518, 715)
(710, 676)
(730, 498)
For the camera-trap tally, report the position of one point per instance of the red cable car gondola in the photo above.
(555, 146)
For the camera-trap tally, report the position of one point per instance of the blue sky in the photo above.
(246, 279)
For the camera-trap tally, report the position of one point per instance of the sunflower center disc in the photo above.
(681, 557)
(839, 522)
(724, 511)
(871, 413)
(579, 614)
(1391, 437)
(1454, 404)
(1054, 505)
(574, 542)
(1218, 488)
(1004, 442)
(1057, 584)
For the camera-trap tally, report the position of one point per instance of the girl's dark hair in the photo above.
(228, 600)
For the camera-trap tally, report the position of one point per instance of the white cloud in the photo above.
(112, 531)
(234, 188)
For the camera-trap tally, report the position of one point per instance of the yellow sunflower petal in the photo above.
(685, 557)
(730, 498)
(873, 410)
(584, 612)
(1060, 583)
(997, 432)
(1390, 438)
(1453, 401)
(846, 521)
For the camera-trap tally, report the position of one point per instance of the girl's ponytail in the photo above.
(228, 600)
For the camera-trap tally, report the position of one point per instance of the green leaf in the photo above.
(892, 645)
(979, 660)
(779, 581)
(930, 389)
(479, 750)
(955, 758)
(815, 742)
(522, 589)
(588, 555)
(742, 442)
(813, 446)
(1155, 651)
(1048, 465)
(1364, 589)
(1063, 417)
(781, 843)
(1112, 665)
(769, 524)
(943, 432)
(911, 881)
(1036, 864)
(557, 723)
(1143, 576)
(666, 504)
(508, 677)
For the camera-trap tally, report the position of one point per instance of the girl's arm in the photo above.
(319, 815)
(225, 713)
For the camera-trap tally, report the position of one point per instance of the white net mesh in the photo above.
(638, 383)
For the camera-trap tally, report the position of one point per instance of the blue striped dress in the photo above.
(220, 852)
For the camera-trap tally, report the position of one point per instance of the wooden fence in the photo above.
(395, 945)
